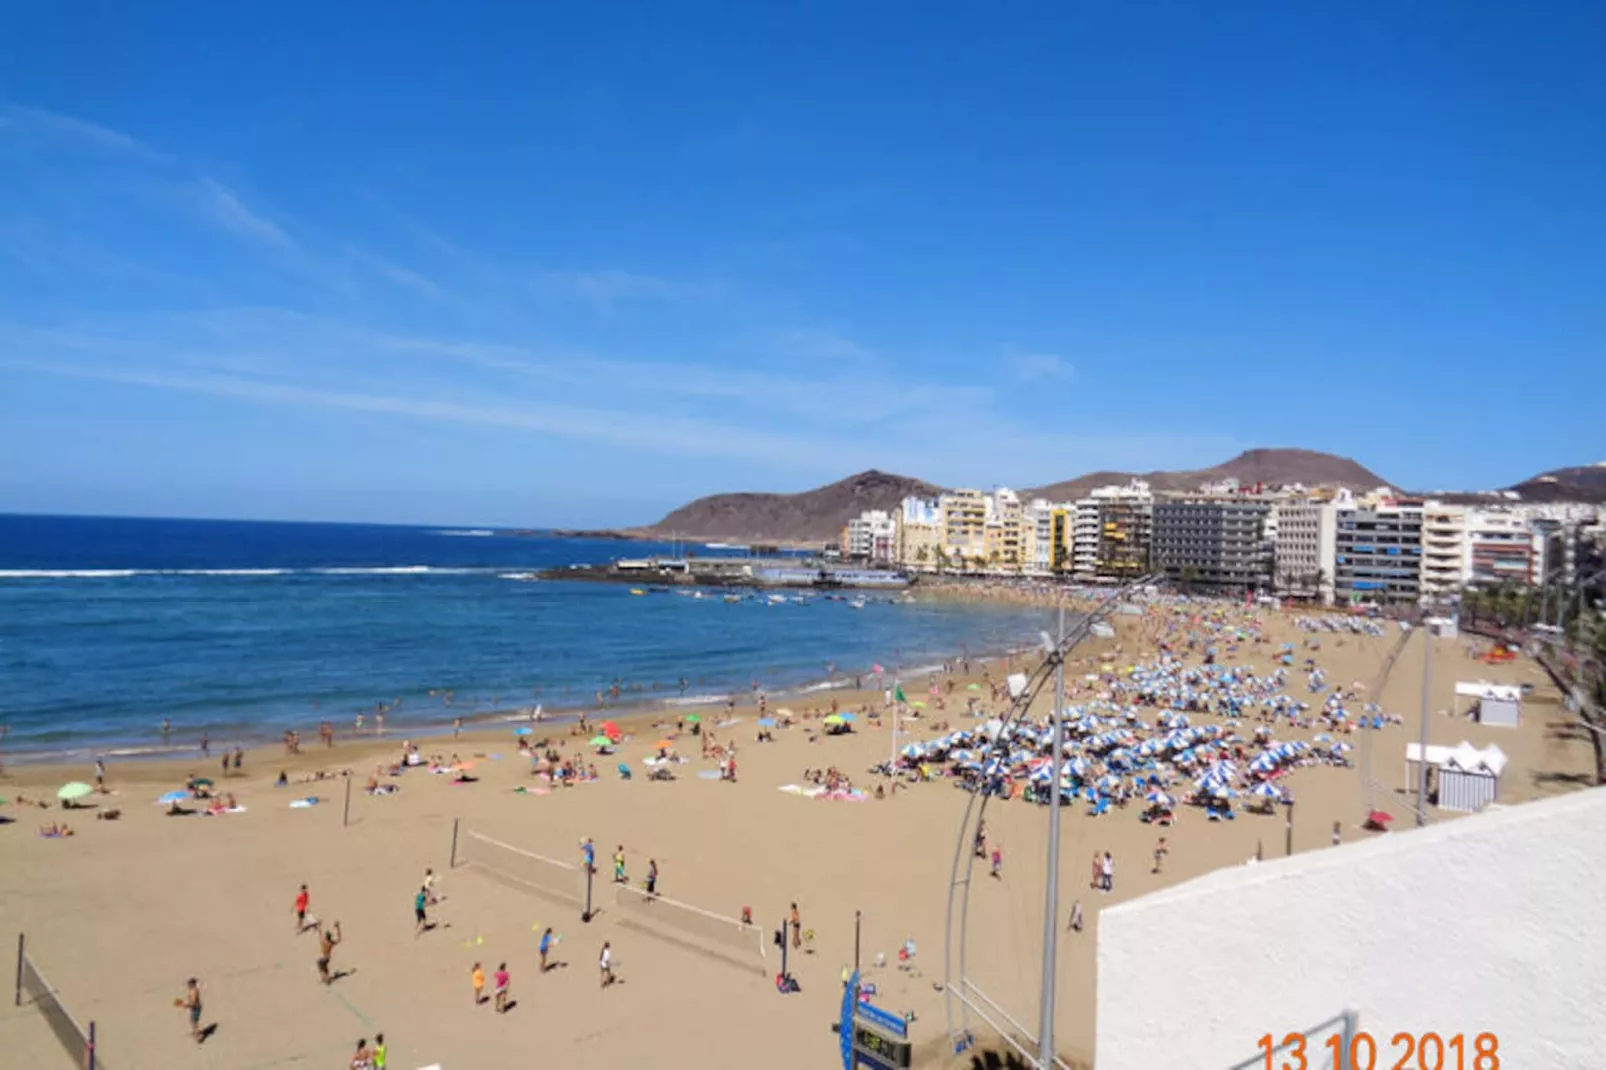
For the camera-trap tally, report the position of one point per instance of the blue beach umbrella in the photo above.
(173, 797)
(766, 722)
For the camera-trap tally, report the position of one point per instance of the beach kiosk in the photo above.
(1469, 779)
(1465, 778)
(1498, 704)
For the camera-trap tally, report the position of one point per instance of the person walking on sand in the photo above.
(476, 977)
(547, 943)
(1338, 833)
(100, 775)
(1160, 851)
(619, 865)
(327, 941)
(588, 855)
(1107, 873)
(303, 900)
(1097, 880)
(191, 1001)
(605, 964)
(797, 928)
(420, 914)
(380, 1052)
(998, 863)
(501, 988)
(652, 878)
(1076, 917)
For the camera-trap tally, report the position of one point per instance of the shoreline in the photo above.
(481, 721)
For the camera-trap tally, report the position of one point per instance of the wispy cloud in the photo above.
(817, 343)
(606, 288)
(221, 206)
(64, 128)
(1033, 367)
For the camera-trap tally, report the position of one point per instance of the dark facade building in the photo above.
(1213, 543)
(1378, 554)
(1123, 547)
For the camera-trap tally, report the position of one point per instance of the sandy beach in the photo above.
(119, 914)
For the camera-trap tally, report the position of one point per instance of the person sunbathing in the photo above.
(54, 831)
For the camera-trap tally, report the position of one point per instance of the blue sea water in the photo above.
(242, 629)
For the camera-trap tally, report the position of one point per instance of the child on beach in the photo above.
(477, 978)
(1076, 917)
(998, 862)
(605, 964)
(547, 943)
(302, 901)
(501, 988)
(380, 1052)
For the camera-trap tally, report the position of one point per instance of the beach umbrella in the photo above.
(76, 789)
(201, 782)
(766, 722)
(972, 687)
(913, 750)
(849, 717)
(918, 705)
(662, 744)
(522, 730)
(173, 797)
(1160, 798)
(601, 741)
(1266, 791)
(611, 730)
(693, 718)
(835, 718)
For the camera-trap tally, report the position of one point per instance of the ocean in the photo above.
(240, 629)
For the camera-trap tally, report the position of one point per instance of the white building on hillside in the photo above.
(873, 537)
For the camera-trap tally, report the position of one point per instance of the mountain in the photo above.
(1270, 466)
(1582, 483)
(810, 516)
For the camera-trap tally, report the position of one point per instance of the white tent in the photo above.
(1498, 704)
(1468, 778)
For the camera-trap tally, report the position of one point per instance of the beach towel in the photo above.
(302, 804)
(708, 774)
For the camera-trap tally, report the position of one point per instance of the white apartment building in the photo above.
(1444, 548)
(873, 537)
(1088, 529)
(1501, 547)
(1304, 547)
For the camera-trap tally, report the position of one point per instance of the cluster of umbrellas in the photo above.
(1109, 750)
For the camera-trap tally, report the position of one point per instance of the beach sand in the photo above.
(120, 914)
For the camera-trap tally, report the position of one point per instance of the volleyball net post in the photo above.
(33, 988)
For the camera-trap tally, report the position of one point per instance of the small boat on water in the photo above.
(857, 603)
(637, 590)
(733, 598)
(777, 599)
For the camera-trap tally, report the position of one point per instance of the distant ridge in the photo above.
(1278, 467)
(818, 515)
(810, 516)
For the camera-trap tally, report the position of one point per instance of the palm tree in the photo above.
(922, 555)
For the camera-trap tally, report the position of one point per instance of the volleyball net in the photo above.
(563, 882)
(741, 943)
(34, 990)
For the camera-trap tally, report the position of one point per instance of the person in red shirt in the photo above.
(302, 901)
(501, 988)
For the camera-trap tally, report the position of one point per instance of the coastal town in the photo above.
(1324, 544)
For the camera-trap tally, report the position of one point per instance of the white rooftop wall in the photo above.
(1488, 923)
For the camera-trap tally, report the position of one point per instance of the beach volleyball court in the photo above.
(563, 882)
(692, 927)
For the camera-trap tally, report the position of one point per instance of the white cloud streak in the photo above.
(51, 125)
(219, 204)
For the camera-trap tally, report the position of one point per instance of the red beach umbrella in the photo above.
(611, 730)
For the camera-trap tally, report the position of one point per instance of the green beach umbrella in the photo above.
(693, 718)
(972, 687)
(601, 741)
(75, 790)
(835, 718)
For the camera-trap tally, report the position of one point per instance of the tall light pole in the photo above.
(1427, 700)
(1051, 903)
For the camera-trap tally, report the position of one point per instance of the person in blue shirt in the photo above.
(588, 853)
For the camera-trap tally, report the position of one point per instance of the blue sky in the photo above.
(573, 264)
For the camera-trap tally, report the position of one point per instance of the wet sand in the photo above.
(122, 912)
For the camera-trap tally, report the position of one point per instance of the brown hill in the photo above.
(1278, 467)
(1582, 483)
(811, 516)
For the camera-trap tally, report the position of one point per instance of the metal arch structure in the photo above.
(961, 998)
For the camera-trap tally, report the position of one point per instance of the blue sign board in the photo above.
(850, 996)
(893, 1023)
